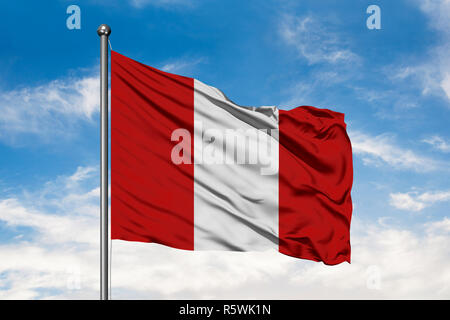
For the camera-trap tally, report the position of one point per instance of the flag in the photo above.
(191, 169)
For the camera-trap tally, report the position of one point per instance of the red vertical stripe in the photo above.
(315, 181)
(152, 199)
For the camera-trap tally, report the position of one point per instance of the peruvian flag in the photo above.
(191, 169)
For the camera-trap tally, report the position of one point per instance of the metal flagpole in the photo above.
(104, 31)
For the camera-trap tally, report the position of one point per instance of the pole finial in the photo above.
(104, 29)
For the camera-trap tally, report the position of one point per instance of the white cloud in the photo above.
(439, 11)
(60, 235)
(181, 65)
(311, 90)
(53, 228)
(445, 84)
(434, 196)
(48, 109)
(432, 74)
(378, 150)
(430, 77)
(314, 41)
(387, 262)
(72, 209)
(82, 173)
(439, 227)
(414, 201)
(405, 201)
(438, 143)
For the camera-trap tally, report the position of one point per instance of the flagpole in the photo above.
(104, 31)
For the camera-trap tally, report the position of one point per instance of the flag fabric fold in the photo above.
(191, 169)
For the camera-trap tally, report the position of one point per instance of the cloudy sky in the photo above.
(392, 84)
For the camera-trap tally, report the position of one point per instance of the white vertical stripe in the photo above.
(235, 204)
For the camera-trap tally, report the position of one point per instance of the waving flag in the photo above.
(192, 170)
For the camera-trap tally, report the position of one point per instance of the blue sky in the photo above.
(392, 84)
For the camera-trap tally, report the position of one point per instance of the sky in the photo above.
(393, 84)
